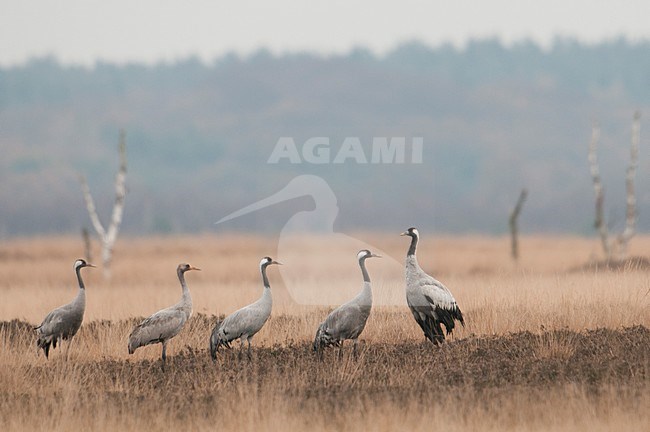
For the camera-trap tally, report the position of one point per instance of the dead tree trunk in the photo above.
(88, 251)
(514, 228)
(616, 249)
(108, 236)
(599, 221)
(630, 201)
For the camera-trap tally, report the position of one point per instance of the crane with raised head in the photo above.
(166, 323)
(348, 320)
(431, 303)
(246, 322)
(64, 322)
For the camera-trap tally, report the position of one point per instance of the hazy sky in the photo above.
(82, 31)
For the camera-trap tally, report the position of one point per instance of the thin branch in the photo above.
(90, 206)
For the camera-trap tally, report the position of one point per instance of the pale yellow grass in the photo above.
(497, 297)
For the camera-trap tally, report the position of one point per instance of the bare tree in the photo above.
(630, 201)
(88, 251)
(108, 236)
(616, 249)
(514, 227)
(599, 221)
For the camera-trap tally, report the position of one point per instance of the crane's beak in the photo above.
(405, 233)
(276, 262)
(91, 265)
(375, 256)
(194, 268)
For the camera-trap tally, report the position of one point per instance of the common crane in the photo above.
(430, 301)
(348, 320)
(246, 322)
(166, 323)
(64, 322)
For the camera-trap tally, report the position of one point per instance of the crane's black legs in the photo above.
(250, 355)
(355, 342)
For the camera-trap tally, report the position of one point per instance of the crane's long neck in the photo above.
(81, 295)
(365, 296)
(412, 266)
(265, 279)
(414, 245)
(413, 270)
(79, 279)
(266, 298)
(186, 299)
(364, 272)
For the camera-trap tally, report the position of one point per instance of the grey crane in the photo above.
(64, 322)
(430, 301)
(246, 322)
(166, 323)
(348, 320)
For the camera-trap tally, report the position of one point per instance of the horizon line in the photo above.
(248, 55)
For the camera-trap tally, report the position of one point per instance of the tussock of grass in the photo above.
(475, 382)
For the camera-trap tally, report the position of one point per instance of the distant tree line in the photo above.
(492, 119)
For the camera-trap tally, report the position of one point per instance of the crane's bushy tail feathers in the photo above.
(44, 344)
(218, 339)
(433, 330)
(459, 316)
(323, 339)
(47, 342)
(447, 316)
(430, 326)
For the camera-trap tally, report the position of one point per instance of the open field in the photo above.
(545, 348)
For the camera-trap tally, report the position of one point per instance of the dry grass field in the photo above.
(546, 347)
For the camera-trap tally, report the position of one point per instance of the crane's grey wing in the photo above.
(441, 304)
(62, 322)
(438, 294)
(347, 321)
(52, 320)
(245, 321)
(160, 326)
(47, 332)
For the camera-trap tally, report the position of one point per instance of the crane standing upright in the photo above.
(166, 323)
(348, 320)
(64, 322)
(431, 303)
(246, 322)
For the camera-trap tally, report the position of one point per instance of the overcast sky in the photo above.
(83, 31)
